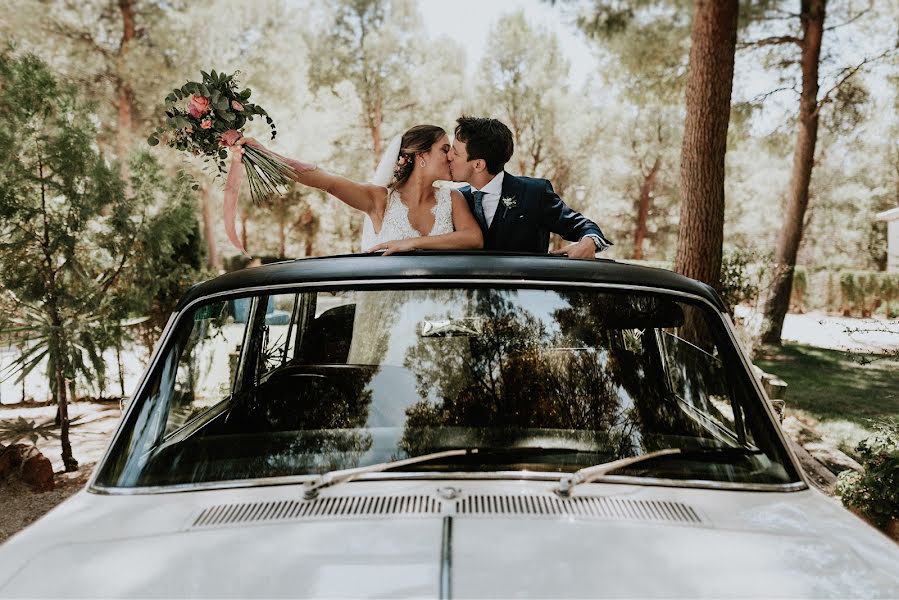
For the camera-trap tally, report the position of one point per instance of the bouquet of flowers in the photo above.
(207, 117)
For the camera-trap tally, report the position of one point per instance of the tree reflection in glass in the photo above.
(567, 373)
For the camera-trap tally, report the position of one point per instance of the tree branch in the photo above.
(852, 19)
(78, 36)
(848, 72)
(778, 40)
(764, 96)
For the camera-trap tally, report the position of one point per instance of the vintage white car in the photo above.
(449, 425)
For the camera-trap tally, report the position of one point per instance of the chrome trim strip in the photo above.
(525, 283)
(464, 476)
(161, 343)
(446, 559)
(768, 408)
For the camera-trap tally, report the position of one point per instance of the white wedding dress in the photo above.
(369, 344)
(396, 225)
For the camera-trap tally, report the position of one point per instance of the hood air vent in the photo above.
(578, 506)
(289, 510)
(530, 506)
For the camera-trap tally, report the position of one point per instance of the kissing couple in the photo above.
(405, 211)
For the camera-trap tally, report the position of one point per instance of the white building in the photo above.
(892, 218)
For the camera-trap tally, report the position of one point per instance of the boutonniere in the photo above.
(508, 203)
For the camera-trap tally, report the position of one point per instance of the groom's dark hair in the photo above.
(486, 139)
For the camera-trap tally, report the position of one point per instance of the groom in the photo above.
(515, 213)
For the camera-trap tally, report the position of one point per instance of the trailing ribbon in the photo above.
(268, 173)
(232, 188)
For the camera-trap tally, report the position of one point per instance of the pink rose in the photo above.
(230, 137)
(206, 124)
(237, 105)
(198, 106)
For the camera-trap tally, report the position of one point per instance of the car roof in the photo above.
(470, 265)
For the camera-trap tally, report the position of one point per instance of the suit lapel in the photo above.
(511, 189)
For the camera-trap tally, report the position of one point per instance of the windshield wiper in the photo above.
(588, 474)
(595, 472)
(343, 475)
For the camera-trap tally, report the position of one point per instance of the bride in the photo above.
(403, 209)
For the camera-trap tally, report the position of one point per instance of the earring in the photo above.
(422, 163)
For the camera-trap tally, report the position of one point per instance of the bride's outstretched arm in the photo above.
(467, 234)
(361, 196)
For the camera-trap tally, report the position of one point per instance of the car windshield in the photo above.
(539, 381)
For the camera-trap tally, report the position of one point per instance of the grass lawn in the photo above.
(833, 388)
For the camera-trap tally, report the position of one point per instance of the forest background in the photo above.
(342, 77)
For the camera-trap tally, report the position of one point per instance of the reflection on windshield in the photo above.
(309, 382)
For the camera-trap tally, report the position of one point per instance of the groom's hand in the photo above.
(582, 249)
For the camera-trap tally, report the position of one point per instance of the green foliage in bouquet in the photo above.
(213, 106)
(875, 493)
(205, 117)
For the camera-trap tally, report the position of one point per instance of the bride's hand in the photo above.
(394, 246)
(248, 141)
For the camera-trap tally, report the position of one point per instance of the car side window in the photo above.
(279, 331)
(698, 381)
(205, 373)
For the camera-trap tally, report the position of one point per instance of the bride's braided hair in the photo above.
(417, 140)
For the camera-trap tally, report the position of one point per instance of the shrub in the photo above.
(875, 493)
(864, 292)
(800, 287)
(741, 276)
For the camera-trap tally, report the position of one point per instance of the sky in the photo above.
(469, 22)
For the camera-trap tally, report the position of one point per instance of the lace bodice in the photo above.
(396, 225)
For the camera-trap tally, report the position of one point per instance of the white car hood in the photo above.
(744, 545)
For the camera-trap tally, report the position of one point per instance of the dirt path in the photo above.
(90, 435)
(21, 506)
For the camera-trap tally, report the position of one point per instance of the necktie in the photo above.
(479, 209)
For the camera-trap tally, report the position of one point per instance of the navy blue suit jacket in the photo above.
(537, 211)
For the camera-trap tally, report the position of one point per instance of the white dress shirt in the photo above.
(492, 192)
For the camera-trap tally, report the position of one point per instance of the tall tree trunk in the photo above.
(812, 17)
(58, 344)
(125, 93)
(307, 223)
(375, 120)
(282, 232)
(646, 188)
(709, 85)
(213, 260)
(118, 358)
